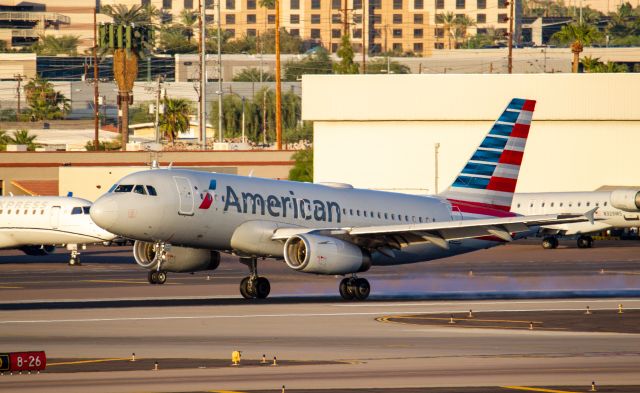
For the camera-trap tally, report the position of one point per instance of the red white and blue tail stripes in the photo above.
(488, 181)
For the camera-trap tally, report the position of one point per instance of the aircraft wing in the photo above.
(438, 233)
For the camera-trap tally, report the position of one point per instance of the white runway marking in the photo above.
(285, 315)
(461, 302)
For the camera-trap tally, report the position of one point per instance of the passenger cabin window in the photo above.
(140, 190)
(76, 210)
(152, 191)
(124, 188)
(605, 204)
(518, 205)
(551, 204)
(560, 204)
(588, 203)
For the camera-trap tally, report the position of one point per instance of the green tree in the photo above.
(50, 45)
(4, 140)
(252, 74)
(303, 166)
(173, 40)
(610, 67)
(379, 66)
(45, 103)
(288, 43)
(590, 63)
(317, 62)
(188, 20)
(346, 65)
(22, 137)
(136, 14)
(462, 24)
(175, 119)
(449, 26)
(103, 145)
(577, 35)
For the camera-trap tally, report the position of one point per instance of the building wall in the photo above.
(381, 132)
(83, 172)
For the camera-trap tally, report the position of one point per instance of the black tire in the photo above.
(161, 277)
(550, 242)
(361, 289)
(244, 288)
(345, 291)
(154, 278)
(150, 277)
(585, 242)
(262, 287)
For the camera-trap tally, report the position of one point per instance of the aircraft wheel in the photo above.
(244, 288)
(161, 277)
(262, 287)
(361, 288)
(152, 277)
(345, 291)
(585, 242)
(549, 243)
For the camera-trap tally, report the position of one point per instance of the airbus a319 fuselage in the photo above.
(182, 219)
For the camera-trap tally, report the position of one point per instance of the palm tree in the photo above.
(449, 25)
(579, 35)
(137, 14)
(463, 22)
(45, 103)
(590, 63)
(51, 45)
(23, 137)
(175, 119)
(253, 75)
(188, 20)
(611, 67)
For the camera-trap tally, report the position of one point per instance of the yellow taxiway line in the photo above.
(528, 389)
(9, 287)
(88, 361)
(127, 282)
(223, 391)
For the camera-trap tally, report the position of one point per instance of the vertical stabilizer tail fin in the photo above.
(490, 176)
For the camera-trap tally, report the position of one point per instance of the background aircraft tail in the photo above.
(488, 181)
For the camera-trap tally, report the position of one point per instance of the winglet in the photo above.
(591, 215)
(70, 193)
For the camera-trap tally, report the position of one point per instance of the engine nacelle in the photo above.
(627, 200)
(38, 251)
(175, 259)
(324, 255)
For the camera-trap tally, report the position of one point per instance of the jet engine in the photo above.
(38, 251)
(324, 255)
(627, 200)
(175, 259)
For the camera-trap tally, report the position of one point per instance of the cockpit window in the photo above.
(151, 190)
(124, 188)
(86, 209)
(76, 210)
(140, 190)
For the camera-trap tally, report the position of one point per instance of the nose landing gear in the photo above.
(354, 288)
(254, 286)
(157, 277)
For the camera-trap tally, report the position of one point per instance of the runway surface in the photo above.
(196, 318)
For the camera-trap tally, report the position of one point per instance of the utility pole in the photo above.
(219, 72)
(364, 38)
(18, 90)
(278, 92)
(243, 140)
(435, 181)
(96, 81)
(158, 96)
(510, 58)
(203, 75)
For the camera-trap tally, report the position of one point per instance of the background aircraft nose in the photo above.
(104, 212)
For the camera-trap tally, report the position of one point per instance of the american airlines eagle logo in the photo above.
(207, 197)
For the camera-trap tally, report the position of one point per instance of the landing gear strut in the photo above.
(354, 288)
(254, 286)
(74, 258)
(549, 242)
(157, 277)
(585, 241)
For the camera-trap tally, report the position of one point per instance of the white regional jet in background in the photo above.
(616, 209)
(182, 219)
(36, 224)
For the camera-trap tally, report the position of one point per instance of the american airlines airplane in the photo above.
(616, 209)
(182, 219)
(36, 224)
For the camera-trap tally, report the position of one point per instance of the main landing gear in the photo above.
(549, 242)
(157, 277)
(254, 286)
(585, 241)
(354, 288)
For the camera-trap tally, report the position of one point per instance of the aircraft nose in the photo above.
(104, 212)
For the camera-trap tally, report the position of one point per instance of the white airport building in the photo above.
(381, 131)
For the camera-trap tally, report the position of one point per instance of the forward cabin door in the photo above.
(185, 193)
(54, 217)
